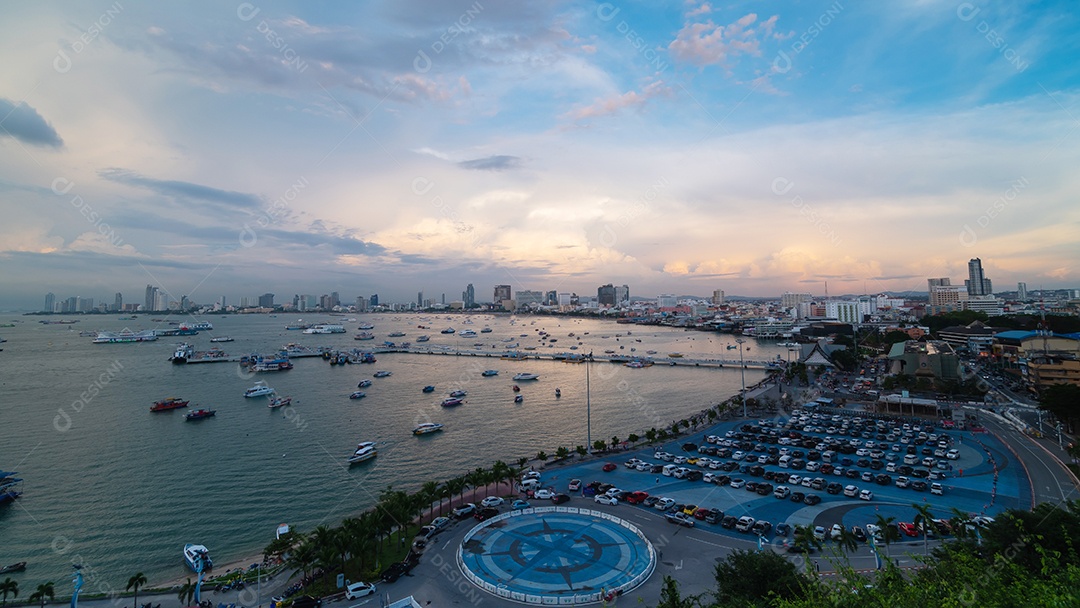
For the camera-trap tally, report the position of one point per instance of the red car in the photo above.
(908, 528)
(701, 513)
(637, 497)
(609, 467)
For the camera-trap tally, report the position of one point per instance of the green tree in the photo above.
(671, 598)
(847, 541)
(135, 582)
(430, 491)
(9, 587)
(599, 445)
(45, 591)
(1060, 400)
(614, 443)
(924, 519)
(562, 452)
(889, 533)
(582, 451)
(650, 435)
(541, 456)
(187, 593)
(633, 438)
(757, 578)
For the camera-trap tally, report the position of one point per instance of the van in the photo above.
(530, 484)
(669, 470)
(784, 462)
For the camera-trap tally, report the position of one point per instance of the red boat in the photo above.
(170, 403)
(199, 414)
(517, 388)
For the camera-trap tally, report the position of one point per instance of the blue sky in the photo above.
(393, 147)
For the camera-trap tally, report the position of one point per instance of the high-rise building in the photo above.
(185, 303)
(503, 292)
(526, 297)
(151, 297)
(792, 300)
(335, 299)
(361, 304)
(161, 300)
(605, 295)
(944, 293)
(666, 300)
(846, 312)
(1021, 292)
(551, 298)
(86, 304)
(374, 300)
(419, 299)
(70, 305)
(564, 299)
(622, 294)
(977, 284)
(718, 297)
(266, 300)
(469, 297)
(118, 302)
(50, 302)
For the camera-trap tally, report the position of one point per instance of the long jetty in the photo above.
(516, 355)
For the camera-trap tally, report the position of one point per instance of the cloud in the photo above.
(710, 44)
(501, 162)
(611, 105)
(22, 122)
(704, 9)
(183, 190)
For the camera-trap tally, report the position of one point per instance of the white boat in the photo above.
(396, 334)
(381, 374)
(194, 554)
(364, 451)
(183, 352)
(221, 339)
(486, 330)
(448, 330)
(427, 427)
(276, 402)
(364, 336)
(467, 333)
(787, 344)
(423, 338)
(490, 372)
(366, 326)
(323, 328)
(259, 390)
(282, 530)
(526, 376)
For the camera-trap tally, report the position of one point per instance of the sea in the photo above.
(118, 489)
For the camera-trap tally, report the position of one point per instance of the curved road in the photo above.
(1050, 480)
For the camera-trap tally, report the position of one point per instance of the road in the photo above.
(1052, 483)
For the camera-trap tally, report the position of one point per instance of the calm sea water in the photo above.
(120, 490)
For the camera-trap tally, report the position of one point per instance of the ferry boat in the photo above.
(124, 336)
(526, 376)
(272, 365)
(427, 427)
(364, 336)
(276, 402)
(199, 414)
(8, 483)
(323, 328)
(168, 403)
(357, 395)
(222, 339)
(183, 352)
(424, 338)
(490, 372)
(298, 326)
(259, 390)
(452, 401)
(196, 555)
(429, 388)
(382, 373)
(364, 451)
(363, 384)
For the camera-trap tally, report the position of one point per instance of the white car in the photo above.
(819, 532)
(836, 532)
(614, 492)
(866, 495)
(530, 475)
(851, 491)
(664, 504)
(874, 531)
(643, 466)
(492, 501)
(356, 590)
(935, 488)
(606, 500)
(679, 460)
(543, 494)
(794, 480)
(737, 483)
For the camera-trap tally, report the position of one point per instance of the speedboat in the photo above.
(19, 567)
(526, 376)
(467, 333)
(486, 330)
(357, 395)
(364, 336)
(364, 384)
(458, 393)
(518, 398)
(364, 451)
(276, 402)
(429, 389)
(517, 388)
(423, 338)
(199, 414)
(382, 374)
(8, 485)
(366, 326)
(427, 427)
(196, 556)
(452, 401)
(490, 372)
(396, 334)
(558, 392)
(448, 330)
(259, 390)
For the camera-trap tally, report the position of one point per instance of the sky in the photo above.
(392, 147)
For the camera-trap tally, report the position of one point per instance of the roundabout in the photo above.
(556, 555)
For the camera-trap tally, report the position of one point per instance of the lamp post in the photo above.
(742, 374)
(588, 405)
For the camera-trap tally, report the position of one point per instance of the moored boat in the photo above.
(8, 483)
(423, 338)
(452, 401)
(490, 372)
(427, 427)
(276, 402)
(222, 339)
(261, 389)
(429, 388)
(364, 451)
(357, 395)
(526, 376)
(196, 556)
(169, 403)
(382, 374)
(200, 414)
(18, 567)
(364, 336)
(364, 384)
(518, 398)
(458, 393)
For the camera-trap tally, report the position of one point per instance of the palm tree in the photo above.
(457, 486)
(847, 540)
(44, 591)
(959, 524)
(522, 462)
(889, 533)
(9, 587)
(187, 593)
(430, 491)
(136, 581)
(501, 472)
(804, 539)
(925, 519)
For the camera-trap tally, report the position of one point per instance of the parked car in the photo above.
(560, 498)
(485, 513)
(609, 467)
(681, 519)
(492, 501)
(520, 504)
(664, 504)
(575, 485)
(866, 495)
(465, 510)
(357, 590)
(604, 499)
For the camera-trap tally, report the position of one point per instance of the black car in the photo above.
(797, 464)
(834, 488)
(307, 601)
(883, 480)
(858, 533)
(761, 527)
(811, 499)
(714, 516)
(689, 447)
(729, 522)
(862, 462)
(394, 571)
(656, 468)
(757, 471)
(722, 480)
(769, 475)
(851, 473)
(694, 475)
(560, 498)
(797, 497)
(923, 473)
(764, 489)
(918, 486)
(751, 486)
(485, 513)
(904, 469)
(783, 529)
(877, 465)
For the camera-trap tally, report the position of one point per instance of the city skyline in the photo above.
(392, 148)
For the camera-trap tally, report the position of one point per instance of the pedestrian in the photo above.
(657, 480)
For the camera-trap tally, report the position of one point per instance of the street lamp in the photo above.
(588, 405)
(742, 373)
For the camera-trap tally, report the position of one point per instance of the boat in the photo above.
(282, 530)
(382, 373)
(364, 451)
(272, 365)
(486, 330)
(516, 388)
(183, 352)
(19, 567)
(125, 336)
(198, 555)
(558, 392)
(424, 338)
(458, 394)
(518, 398)
(490, 372)
(276, 402)
(526, 376)
(325, 328)
(448, 330)
(396, 334)
(650, 352)
(8, 483)
(638, 364)
(259, 390)
(427, 427)
(222, 339)
(467, 333)
(731, 347)
(363, 383)
(168, 403)
(200, 326)
(429, 389)
(199, 414)
(452, 401)
(364, 336)
(366, 326)
(357, 395)
(296, 326)
(675, 355)
(787, 344)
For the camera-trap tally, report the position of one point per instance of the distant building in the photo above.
(420, 299)
(469, 297)
(86, 304)
(934, 359)
(502, 293)
(792, 300)
(266, 300)
(622, 294)
(977, 284)
(361, 304)
(1021, 292)
(666, 300)
(985, 304)
(847, 311)
(605, 295)
(526, 297)
(975, 336)
(151, 297)
(551, 298)
(943, 293)
(718, 297)
(374, 300)
(564, 299)
(50, 302)
(118, 302)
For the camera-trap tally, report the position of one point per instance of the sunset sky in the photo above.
(227, 148)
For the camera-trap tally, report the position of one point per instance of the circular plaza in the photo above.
(556, 555)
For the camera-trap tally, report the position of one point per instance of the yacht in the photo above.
(259, 390)
(396, 334)
(424, 338)
(363, 384)
(458, 394)
(452, 401)
(526, 376)
(364, 336)
(196, 556)
(490, 372)
(323, 328)
(427, 427)
(222, 339)
(276, 402)
(467, 333)
(448, 330)
(429, 388)
(381, 374)
(357, 395)
(366, 326)
(364, 451)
